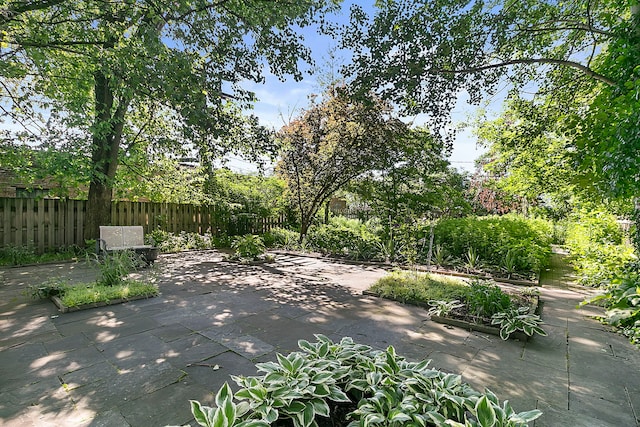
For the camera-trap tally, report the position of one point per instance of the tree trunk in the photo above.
(107, 135)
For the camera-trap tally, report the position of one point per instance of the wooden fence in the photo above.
(53, 223)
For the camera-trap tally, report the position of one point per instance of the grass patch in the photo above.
(77, 295)
(422, 287)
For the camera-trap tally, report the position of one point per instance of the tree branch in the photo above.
(563, 62)
(18, 8)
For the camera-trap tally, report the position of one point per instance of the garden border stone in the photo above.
(65, 309)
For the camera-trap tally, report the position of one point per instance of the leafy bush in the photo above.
(281, 238)
(485, 298)
(527, 242)
(346, 237)
(170, 242)
(622, 301)
(248, 247)
(597, 247)
(351, 384)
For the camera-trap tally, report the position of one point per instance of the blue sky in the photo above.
(278, 101)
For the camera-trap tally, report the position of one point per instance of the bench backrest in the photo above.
(125, 236)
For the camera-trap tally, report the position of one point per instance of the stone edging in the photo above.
(471, 326)
(64, 309)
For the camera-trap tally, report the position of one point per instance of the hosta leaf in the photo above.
(295, 407)
(200, 413)
(485, 413)
(398, 416)
(306, 346)
(243, 394)
(275, 378)
(320, 407)
(321, 377)
(526, 417)
(504, 334)
(223, 395)
(229, 409)
(338, 395)
(321, 390)
(268, 367)
(285, 363)
(436, 417)
(323, 350)
(253, 423)
(219, 419)
(297, 363)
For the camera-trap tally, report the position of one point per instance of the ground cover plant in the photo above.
(22, 255)
(477, 301)
(350, 384)
(112, 283)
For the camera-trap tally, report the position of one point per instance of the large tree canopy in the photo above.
(424, 54)
(334, 141)
(94, 62)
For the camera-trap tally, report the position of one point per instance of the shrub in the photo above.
(622, 302)
(597, 247)
(494, 238)
(346, 237)
(248, 247)
(281, 238)
(347, 383)
(170, 242)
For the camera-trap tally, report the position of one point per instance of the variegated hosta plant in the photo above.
(350, 384)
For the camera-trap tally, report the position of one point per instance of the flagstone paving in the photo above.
(139, 363)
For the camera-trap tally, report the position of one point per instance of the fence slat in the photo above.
(52, 223)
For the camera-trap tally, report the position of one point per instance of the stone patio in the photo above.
(139, 363)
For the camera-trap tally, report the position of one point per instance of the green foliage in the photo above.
(622, 301)
(248, 247)
(240, 193)
(351, 238)
(22, 255)
(485, 299)
(333, 142)
(517, 319)
(74, 295)
(281, 238)
(422, 287)
(116, 266)
(489, 239)
(413, 180)
(51, 287)
(443, 308)
(78, 294)
(354, 385)
(170, 242)
(597, 248)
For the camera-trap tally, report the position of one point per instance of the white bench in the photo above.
(122, 237)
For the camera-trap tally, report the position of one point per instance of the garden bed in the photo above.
(479, 324)
(479, 304)
(65, 309)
